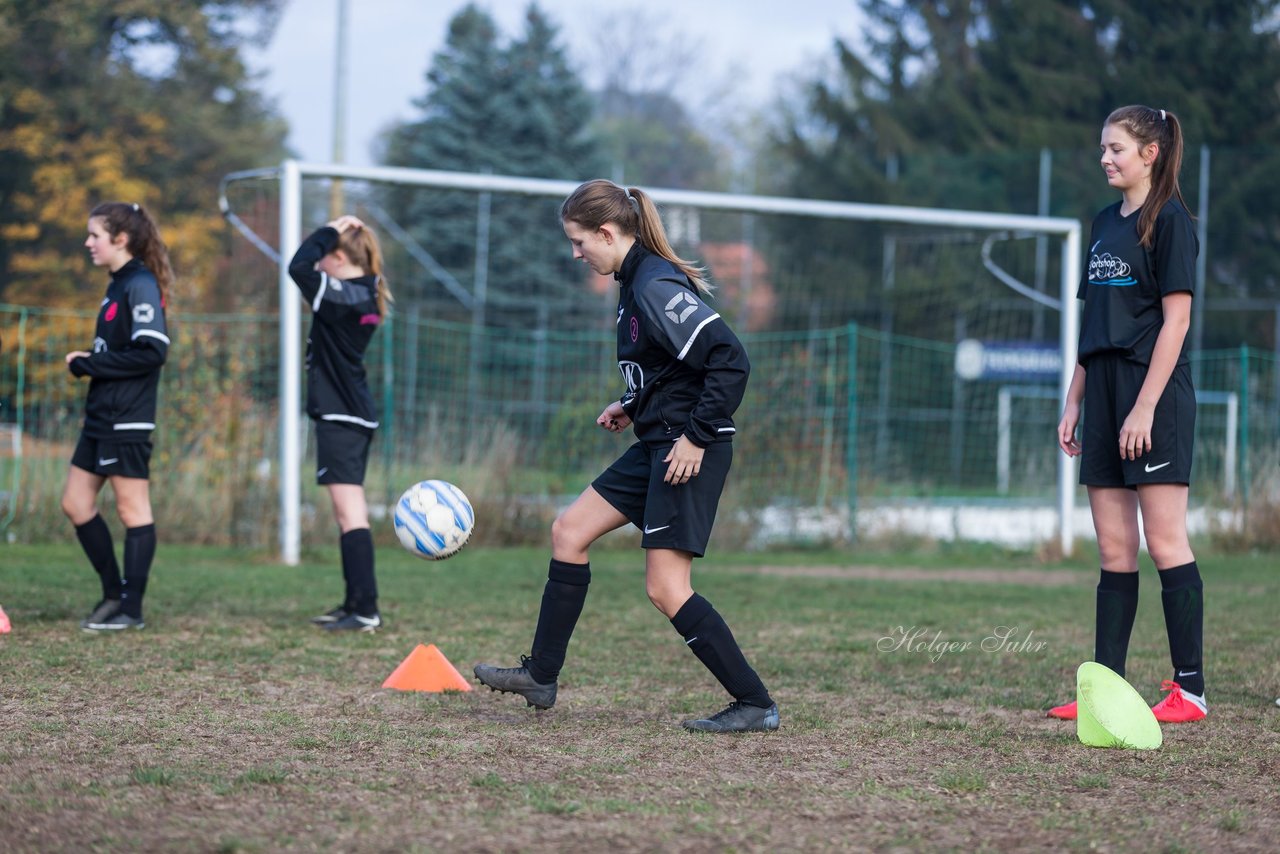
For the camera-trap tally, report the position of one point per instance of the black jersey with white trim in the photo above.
(1125, 283)
(684, 368)
(344, 317)
(130, 344)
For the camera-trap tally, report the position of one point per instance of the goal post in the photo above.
(291, 174)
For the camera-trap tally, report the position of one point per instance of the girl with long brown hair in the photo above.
(1136, 441)
(130, 345)
(685, 373)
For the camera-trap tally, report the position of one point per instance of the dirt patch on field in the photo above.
(1024, 577)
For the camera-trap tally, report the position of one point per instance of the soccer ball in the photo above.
(433, 519)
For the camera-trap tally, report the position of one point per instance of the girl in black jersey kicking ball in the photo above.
(339, 271)
(1139, 405)
(130, 344)
(685, 373)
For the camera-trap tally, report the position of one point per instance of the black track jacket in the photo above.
(130, 344)
(344, 317)
(684, 368)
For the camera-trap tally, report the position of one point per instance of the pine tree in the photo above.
(962, 95)
(515, 109)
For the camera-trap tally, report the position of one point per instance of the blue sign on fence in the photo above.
(1006, 360)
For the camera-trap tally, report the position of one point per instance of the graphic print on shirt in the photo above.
(1106, 269)
(680, 307)
(632, 375)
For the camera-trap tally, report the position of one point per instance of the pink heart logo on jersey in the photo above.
(111, 313)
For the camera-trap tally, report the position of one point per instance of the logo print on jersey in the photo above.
(681, 306)
(619, 320)
(99, 345)
(635, 329)
(111, 313)
(144, 313)
(632, 375)
(1106, 269)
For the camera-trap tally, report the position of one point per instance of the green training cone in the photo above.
(1110, 713)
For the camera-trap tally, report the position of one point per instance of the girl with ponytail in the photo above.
(338, 269)
(131, 343)
(1136, 441)
(684, 373)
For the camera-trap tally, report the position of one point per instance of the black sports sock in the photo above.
(139, 549)
(357, 569)
(348, 592)
(1182, 595)
(95, 539)
(1117, 605)
(562, 599)
(706, 633)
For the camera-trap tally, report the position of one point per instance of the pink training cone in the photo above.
(4, 623)
(426, 669)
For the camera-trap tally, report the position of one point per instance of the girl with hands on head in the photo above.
(338, 269)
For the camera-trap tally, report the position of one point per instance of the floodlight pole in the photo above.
(337, 197)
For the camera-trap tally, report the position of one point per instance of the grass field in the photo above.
(230, 724)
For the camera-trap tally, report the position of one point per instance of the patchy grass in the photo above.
(912, 689)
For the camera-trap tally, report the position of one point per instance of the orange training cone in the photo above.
(4, 622)
(426, 669)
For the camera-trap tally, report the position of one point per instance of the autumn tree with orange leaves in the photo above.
(140, 100)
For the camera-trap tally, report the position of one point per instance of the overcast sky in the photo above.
(753, 43)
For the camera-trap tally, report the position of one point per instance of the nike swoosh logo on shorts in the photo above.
(322, 471)
(1151, 468)
(649, 530)
(103, 462)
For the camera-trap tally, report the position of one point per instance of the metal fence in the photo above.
(827, 449)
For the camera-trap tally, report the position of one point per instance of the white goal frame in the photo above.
(291, 172)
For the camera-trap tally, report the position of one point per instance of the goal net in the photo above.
(880, 339)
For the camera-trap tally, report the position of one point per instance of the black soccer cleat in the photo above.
(103, 611)
(516, 680)
(737, 717)
(118, 622)
(355, 623)
(333, 616)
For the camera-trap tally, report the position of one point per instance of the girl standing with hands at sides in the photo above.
(339, 271)
(130, 345)
(685, 373)
(1133, 377)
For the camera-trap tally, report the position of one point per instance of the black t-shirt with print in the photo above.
(1124, 283)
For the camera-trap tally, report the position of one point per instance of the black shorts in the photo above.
(1111, 388)
(342, 452)
(670, 517)
(109, 458)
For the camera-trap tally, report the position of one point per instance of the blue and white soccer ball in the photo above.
(433, 519)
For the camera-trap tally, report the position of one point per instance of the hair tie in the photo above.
(135, 204)
(631, 200)
(1162, 116)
